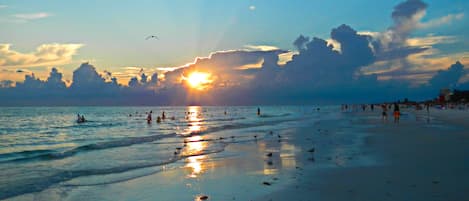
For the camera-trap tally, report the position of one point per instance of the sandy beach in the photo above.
(340, 156)
(424, 157)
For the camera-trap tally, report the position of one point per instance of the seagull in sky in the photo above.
(152, 36)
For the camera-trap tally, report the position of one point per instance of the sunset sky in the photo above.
(417, 39)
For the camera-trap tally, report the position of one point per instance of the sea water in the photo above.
(45, 146)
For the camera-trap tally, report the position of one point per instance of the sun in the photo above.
(198, 80)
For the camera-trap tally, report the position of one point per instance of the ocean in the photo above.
(41, 147)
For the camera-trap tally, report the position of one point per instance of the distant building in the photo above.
(445, 95)
(460, 96)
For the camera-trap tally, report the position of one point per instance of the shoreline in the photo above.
(355, 157)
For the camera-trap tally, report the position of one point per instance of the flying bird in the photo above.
(150, 37)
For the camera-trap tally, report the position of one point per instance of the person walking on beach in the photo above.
(384, 113)
(397, 113)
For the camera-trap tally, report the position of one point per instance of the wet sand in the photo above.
(424, 157)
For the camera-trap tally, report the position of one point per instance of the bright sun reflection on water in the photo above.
(195, 120)
(195, 146)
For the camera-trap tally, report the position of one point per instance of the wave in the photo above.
(241, 125)
(90, 124)
(50, 155)
(24, 154)
(39, 184)
(271, 116)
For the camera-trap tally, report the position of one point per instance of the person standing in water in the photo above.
(149, 117)
(397, 113)
(163, 116)
(258, 111)
(158, 119)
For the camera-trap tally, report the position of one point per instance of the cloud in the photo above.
(54, 81)
(430, 40)
(284, 58)
(32, 16)
(3, 6)
(86, 77)
(224, 64)
(125, 74)
(441, 21)
(300, 42)
(45, 55)
(398, 54)
(348, 66)
(448, 78)
(261, 47)
(252, 7)
(391, 44)
(144, 83)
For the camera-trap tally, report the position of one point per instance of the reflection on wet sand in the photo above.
(283, 156)
(195, 163)
(194, 148)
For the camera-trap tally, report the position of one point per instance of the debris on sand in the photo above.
(266, 183)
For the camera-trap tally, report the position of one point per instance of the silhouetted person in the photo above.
(149, 117)
(384, 113)
(372, 107)
(158, 119)
(258, 111)
(397, 113)
(163, 116)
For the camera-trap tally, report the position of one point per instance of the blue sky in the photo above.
(111, 34)
(113, 31)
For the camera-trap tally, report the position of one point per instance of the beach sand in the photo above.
(356, 156)
(424, 157)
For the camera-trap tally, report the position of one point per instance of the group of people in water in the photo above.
(158, 119)
(81, 118)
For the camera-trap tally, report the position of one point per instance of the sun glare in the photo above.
(198, 80)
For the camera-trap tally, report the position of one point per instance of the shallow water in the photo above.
(44, 146)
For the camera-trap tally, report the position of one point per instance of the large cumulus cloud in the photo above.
(350, 66)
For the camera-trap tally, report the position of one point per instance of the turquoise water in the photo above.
(44, 146)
